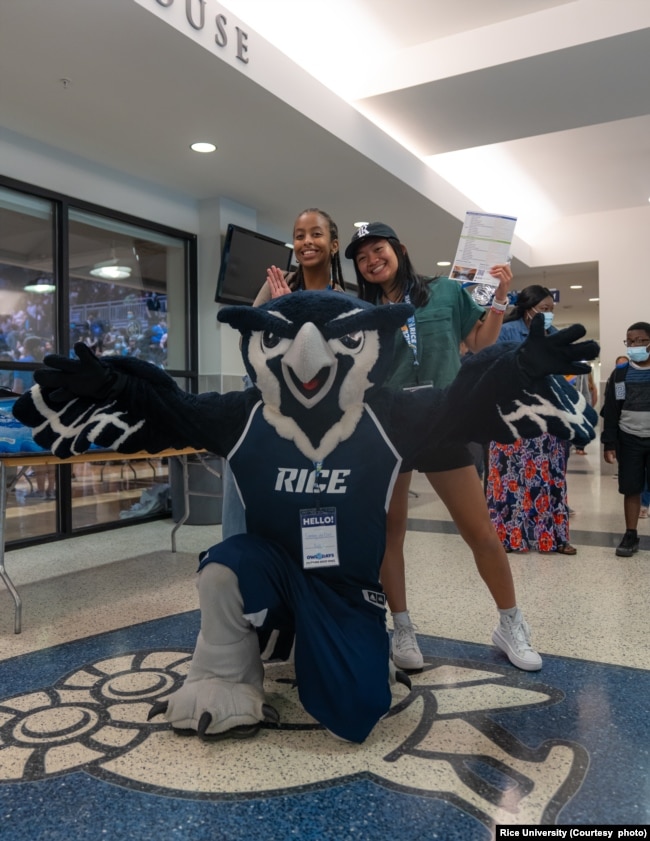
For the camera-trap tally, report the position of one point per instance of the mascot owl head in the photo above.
(314, 356)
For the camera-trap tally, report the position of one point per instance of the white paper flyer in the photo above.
(484, 242)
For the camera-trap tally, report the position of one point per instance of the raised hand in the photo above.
(65, 378)
(277, 284)
(557, 353)
(503, 273)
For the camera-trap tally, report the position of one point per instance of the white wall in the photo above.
(53, 169)
(620, 242)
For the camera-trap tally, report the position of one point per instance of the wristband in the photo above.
(497, 306)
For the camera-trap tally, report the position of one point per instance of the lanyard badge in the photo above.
(318, 532)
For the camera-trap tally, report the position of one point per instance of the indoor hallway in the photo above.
(109, 622)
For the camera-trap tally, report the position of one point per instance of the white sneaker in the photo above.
(643, 513)
(406, 652)
(512, 636)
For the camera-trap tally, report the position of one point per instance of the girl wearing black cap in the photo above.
(427, 353)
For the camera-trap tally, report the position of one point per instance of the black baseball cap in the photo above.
(370, 229)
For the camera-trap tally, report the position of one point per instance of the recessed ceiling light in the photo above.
(203, 147)
(594, 299)
(443, 263)
(575, 287)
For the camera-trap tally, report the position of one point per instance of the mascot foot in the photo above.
(398, 676)
(213, 709)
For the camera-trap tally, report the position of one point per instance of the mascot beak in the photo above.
(309, 366)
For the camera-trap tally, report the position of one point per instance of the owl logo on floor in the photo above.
(442, 740)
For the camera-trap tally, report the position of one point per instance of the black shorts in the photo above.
(447, 457)
(633, 454)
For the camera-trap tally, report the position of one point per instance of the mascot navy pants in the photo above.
(341, 642)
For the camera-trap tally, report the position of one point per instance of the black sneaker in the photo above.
(629, 545)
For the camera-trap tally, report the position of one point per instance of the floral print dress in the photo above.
(526, 493)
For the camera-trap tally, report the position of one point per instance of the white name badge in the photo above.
(319, 545)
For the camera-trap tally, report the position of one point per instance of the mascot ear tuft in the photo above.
(243, 317)
(334, 313)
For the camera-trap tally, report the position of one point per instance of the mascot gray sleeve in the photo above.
(315, 449)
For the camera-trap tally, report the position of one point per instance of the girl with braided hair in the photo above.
(316, 249)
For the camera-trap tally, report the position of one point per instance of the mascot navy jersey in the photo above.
(276, 481)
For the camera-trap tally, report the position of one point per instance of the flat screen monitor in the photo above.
(245, 258)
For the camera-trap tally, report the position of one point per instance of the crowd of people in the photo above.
(144, 340)
(28, 335)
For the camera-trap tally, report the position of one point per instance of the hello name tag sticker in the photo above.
(319, 544)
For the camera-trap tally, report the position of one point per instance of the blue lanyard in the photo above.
(410, 335)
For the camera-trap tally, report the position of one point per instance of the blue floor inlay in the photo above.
(475, 736)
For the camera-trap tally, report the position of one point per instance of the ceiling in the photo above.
(556, 89)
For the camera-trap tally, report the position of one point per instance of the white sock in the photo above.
(511, 612)
(401, 618)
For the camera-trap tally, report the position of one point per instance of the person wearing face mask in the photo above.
(526, 481)
(626, 429)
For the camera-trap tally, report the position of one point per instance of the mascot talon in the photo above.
(271, 715)
(159, 708)
(398, 676)
(402, 677)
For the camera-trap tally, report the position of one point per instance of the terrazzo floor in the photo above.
(109, 622)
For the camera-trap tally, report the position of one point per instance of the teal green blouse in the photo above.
(441, 325)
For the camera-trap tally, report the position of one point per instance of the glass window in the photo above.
(70, 273)
(126, 286)
(27, 287)
(27, 332)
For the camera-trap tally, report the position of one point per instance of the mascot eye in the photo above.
(270, 340)
(353, 341)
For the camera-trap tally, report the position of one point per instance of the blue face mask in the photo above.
(548, 317)
(638, 354)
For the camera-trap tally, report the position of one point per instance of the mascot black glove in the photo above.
(65, 379)
(557, 353)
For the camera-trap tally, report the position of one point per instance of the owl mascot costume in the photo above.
(315, 448)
